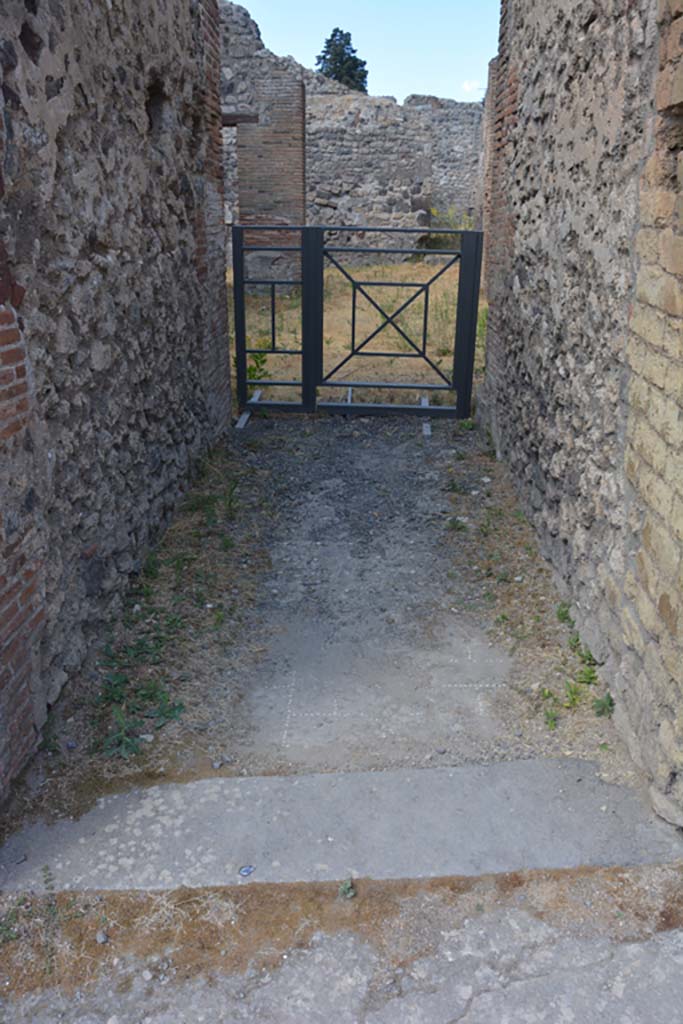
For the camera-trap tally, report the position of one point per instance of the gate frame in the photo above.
(313, 251)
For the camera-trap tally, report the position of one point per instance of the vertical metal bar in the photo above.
(353, 317)
(272, 317)
(312, 315)
(466, 324)
(240, 316)
(425, 324)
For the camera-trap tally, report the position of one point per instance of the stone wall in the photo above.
(367, 159)
(489, 151)
(457, 153)
(113, 333)
(584, 359)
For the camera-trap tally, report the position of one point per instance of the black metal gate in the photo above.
(305, 249)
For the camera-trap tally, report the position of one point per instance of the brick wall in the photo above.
(113, 351)
(584, 350)
(271, 154)
(649, 600)
(22, 596)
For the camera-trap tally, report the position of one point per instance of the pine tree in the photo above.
(340, 62)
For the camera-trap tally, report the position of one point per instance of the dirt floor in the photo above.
(337, 596)
(200, 618)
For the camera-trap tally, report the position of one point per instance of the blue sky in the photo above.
(438, 47)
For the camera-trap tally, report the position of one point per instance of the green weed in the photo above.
(151, 566)
(551, 718)
(572, 694)
(564, 615)
(604, 706)
(8, 926)
(229, 500)
(587, 676)
(347, 890)
(257, 367)
(114, 688)
(122, 741)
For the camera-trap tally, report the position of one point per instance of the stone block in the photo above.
(659, 289)
(676, 518)
(632, 632)
(657, 207)
(671, 247)
(647, 245)
(647, 613)
(646, 363)
(662, 546)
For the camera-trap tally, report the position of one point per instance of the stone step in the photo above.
(406, 823)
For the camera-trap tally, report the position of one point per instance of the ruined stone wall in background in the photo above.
(113, 364)
(457, 152)
(372, 160)
(368, 159)
(584, 389)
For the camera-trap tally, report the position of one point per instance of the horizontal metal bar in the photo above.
(357, 227)
(388, 355)
(394, 284)
(277, 283)
(383, 384)
(383, 409)
(397, 252)
(277, 383)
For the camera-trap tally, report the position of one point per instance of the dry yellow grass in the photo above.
(52, 939)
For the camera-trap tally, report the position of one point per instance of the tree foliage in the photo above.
(340, 62)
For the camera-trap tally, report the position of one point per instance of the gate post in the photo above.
(312, 240)
(240, 318)
(466, 324)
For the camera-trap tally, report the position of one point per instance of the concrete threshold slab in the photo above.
(407, 823)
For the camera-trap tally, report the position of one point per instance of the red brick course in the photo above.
(22, 614)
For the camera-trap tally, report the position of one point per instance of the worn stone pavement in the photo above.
(381, 738)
